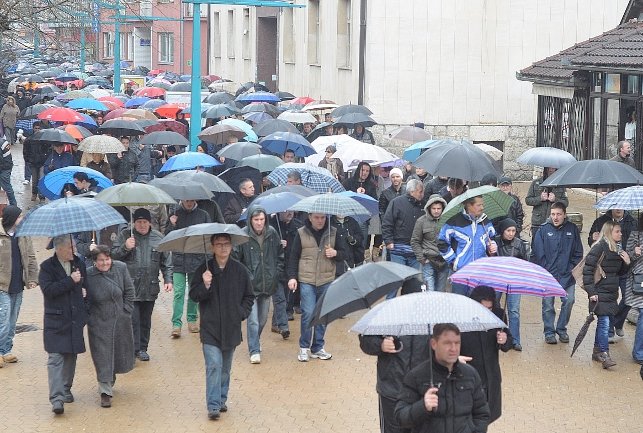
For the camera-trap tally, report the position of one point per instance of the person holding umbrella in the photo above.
(542, 199)
(334, 165)
(35, 154)
(362, 134)
(603, 295)
(240, 201)
(58, 158)
(634, 295)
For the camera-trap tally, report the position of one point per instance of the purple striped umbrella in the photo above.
(509, 275)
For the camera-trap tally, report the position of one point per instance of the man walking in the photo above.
(239, 202)
(396, 189)
(138, 248)
(557, 247)
(6, 166)
(623, 153)
(35, 155)
(223, 289)
(62, 278)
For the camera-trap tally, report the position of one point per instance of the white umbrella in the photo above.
(293, 116)
(495, 154)
(349, 150)
(100, 93)
(101, 144)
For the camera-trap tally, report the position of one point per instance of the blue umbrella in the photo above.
(88, 122)
(371, 204)
(279, 142)
(67, 76)
(273, 203)
(185, 78)
(414, 151)
(189, 161)
(257, 116)
(258, 97)
(250, 134)
(136, 102)
(86, 104)
(68, 215)
(52, 184)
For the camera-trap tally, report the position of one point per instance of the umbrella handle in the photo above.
(430, 358)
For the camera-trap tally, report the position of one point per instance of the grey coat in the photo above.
(636, 267)
(540, 213)
(111, 301)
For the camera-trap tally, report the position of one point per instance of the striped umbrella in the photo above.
(509, 275)
(330, 204)
(496, 203)
(630, 198)
(316, 178)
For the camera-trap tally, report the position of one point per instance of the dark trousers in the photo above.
(618, 320)
(142, 324)
(388, 423)
(36, 174)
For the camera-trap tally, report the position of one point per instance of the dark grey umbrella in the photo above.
(459, 159)
(595, 173)
(285, 96)
(165, 138)
(297, 189)
(275, 125)
(209, 181)
(184, 190)
(120, 128)
(262, 107)
(220, 110)
(583, 330)
(350, 108)
(196, 238)
(32, 111)
(219, 98)
(546, 157)
(359, 288)
(181, 87)
(53, 136)
(352, 119)
(240, 150)
(263, 163)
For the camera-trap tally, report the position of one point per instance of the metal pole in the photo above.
(82, 48)
(195, 97)
(117, 48)
(36, 40)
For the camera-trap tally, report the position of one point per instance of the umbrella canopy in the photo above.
(371, 204)
(350, 109)
(494, 153)
(169, 110)
(209, 181)
(52, 184)
(60, 114)
(139, 114)
(263, 163)
(352, 119)
(168, 125)
(240, 150)
(78, 132)
(120, 128)
(275, 125)
(273, 203)
(196, 238)
(52, 135)
(185, 190)
(220, 133)
(360, 288)
(151, 92)
(234, 175)
(546, 157)
(220, 110)
(595, 173)
(509, 275)
(257, 117)
(258, 97)
(114, 114)
(134, 194)
(350, 150)
(153, 104)
(67, 76)
(136, 102)
(219, 98)
(302, 100)
(86, 104)
(316, 178)
(330, 204)
(189, 161)
(293, 116)
(459, 159)
(250, 133)
(165, 138)
(32, 111)
(181, 87)
(261, 107)
(101, 144)
(630, 198)
(87, 122)
(74, 94)
(322, 104)
(285, 96)
(496, 203)
(114, 100)
(409, 134)
(414, 151)
(68, 215)
(280, 142)
(296, 189)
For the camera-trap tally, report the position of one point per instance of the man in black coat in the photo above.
(35, 155)
(223, 289)
(62, 280)
(396, 189)
(240, 202)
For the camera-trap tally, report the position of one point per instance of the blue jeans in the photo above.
(602, 329)
(218, 364)
(460, 289)
(5, 184)
(637, 348)
(309, 296)
(434, 279)
(6, 340)
(256, 321)
(279, 315)
(549, 314)
(408, 261)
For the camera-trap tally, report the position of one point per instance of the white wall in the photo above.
(232, 65)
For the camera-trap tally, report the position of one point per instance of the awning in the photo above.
(554, 91)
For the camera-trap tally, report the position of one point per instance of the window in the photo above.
(245, 42)
(216, 32)
(231, 34)
(108, 45)
(289, 36)
(166, 47)
(314, 39)
(127, 45)
(189, 10)
(344, 33)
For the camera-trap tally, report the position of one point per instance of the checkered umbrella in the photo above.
(316, 178)
(68, 215)
(330, 204)
(630, 198)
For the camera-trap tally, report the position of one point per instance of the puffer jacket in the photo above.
(264, 260)
(144, 262)
(463, 240)
(424, 239)
(540, 213)
(559, 250)
(607, 288)
(181, 262)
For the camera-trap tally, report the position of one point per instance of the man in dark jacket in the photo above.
(287, 224)
(557, 247)
(516, 212)
(349, 230)
(58, 158)
(35, 154)
(434, 186)
(240, 202)
(125, 165)
(363, 182)
(456, 404)
(137, 247)
(6, 166)
(396, 189)
(263, 255)
(623, 153)
(61, 280)
(542, 199)
(223, 289)
(184, 265)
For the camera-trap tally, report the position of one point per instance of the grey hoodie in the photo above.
(424, 240)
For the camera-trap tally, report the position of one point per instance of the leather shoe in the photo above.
(291, 317)
(214, 414)
(517, 347)
(68, 398)
(285, 334)
(223, 408)
(563, 337)
(58, 407)
(275, 329)
(550, 339)
(105, 400)
(143, 356)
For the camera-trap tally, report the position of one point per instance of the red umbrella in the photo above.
(61, 114)
(169, 110)
(168, 125)
(111, 106)
(155, 72)
(116, 113)
(113, 100)
(302, 100)
(151, 92)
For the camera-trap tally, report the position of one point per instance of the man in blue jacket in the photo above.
(557, 247)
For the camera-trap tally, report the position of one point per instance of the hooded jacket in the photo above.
(558, 249)
(463, 239)
(424, 239)
(369, 184)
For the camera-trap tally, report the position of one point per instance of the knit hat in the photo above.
(10, 216)
(505, 224)
(142, 213)
(395, 171)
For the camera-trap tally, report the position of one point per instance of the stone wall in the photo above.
(516, 139)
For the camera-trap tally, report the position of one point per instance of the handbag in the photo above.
(599, 273)
(637, 284)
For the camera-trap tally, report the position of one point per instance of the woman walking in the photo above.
(603, 295)
(9, 117)
(111, 301)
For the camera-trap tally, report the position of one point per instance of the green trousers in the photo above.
(181, 282)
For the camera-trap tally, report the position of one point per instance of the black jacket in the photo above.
(388, 195)
(288, 232)
(462, 405)
(124, 169)
(514, 248)
(225, 304)
(628, 225)
(399, 219)
(607, 288)
(354, 182)
(516, 213)
(6, 161)
(235, 206)
(349, 230)
(35, 153)
(434, 186)
(181, 262)
(392, 367)
(65, 308)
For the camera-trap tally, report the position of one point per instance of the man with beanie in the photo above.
(137, 247)
(6, 165)
(395, 190)
(184, 265)
(424, 242)
(516, 212)
(18, 268)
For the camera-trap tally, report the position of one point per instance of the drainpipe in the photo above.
(182, 40)
(362, 51)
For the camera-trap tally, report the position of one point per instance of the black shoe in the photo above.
(517, 347)
(291, 317)
(58, 407)
(297, 310)
(105, 400)
(223, 408)
(550, 339)
(214, 414)
(285, 334)
(563, 337)
(143, 356)
(68, 398)
(275, 329)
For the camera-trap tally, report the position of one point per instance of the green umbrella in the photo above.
(263, 163)
(134, 194)
(496, 203)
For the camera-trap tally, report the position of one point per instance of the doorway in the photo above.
(267, 42)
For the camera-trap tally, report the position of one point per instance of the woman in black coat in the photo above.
(603, 295)
(483, 347)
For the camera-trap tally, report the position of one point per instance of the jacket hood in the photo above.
(435, 198)
(254, 209)
(358, 170)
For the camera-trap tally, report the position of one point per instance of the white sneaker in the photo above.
(255, 358)
(25, 182)
(321, 354)
(303, 355)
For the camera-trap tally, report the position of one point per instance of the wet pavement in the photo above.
(544, 390)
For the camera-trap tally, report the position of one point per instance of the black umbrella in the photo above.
(285, 96)
(121, 128)
(32, 111)
(53, 135)
(360, 288)
(595, 173)
(296, 189)
(165, 138)
(218, 98)
(318, 131)
(184, 190)
(583, 330)
(233, 176)
(210, 181)
(263, 107)
(350, 108)
(240, 150)
(352, 119)
(459, 159)
(275, 125)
